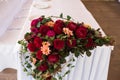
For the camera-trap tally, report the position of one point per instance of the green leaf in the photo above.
(26, 57)
(88, 53)
(76, 54)
(46, 37)
(60, 77)
(55, 66)
(54, 78)
(61, 15)
(25, 70)
(44, 21)
(67, 72)
(28, 65)
(38, 24)
(48, 19)
(69, 65)
(68, 17)
(37, 64)
(52, 38)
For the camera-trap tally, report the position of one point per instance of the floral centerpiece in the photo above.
(50, 41)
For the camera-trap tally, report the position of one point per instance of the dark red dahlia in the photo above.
(90, 43)
(50, 33)
(72, 26)
(71, 43)
(58, 44)
(39, 55)
(58, 26)
(34, 22)
(53, 58)
(37, 42)
(31, 47)
(44, 29)
(81, 32)
(43, 67)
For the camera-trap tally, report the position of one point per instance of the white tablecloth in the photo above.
(86, 68)
(8, 10)
(18, 11)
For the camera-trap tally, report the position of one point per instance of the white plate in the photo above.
(41, 5)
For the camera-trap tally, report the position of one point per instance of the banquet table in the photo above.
(94, 67)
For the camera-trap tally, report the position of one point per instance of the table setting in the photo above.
(87, 63)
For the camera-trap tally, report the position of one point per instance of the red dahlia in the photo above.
(71, 43)
(81, 32)
(31, 47)
(43, 67)
(34, 22)
(39, 55)
(72, 26)
(58, 26)
(58, 44)
(44, 29)
(90, 43)
(53, 58)
(37, 42)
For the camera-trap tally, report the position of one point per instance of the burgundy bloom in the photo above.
(58, 26)
(34, 22)
(43, 67)
(51, 33)
(40, 19)
(72, 26)
(34, 30)
(38, 42)
(44, 29)
(81, 32)
(31, 47)
(71, 43)
(58, 44)
(53, 58)
(90, 43)
(39, 55)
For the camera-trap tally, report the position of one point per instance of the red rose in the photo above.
(58, 44)
(44, 29)
(39, 55)
(37, 42)
(53, 58)
(72, 26)
(51, 33)
(43, 67)
(58, 26)
(90, 43)
(34, 22)
(31, 47)
(81, 32)
(71, 43)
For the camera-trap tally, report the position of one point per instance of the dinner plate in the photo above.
(41, 5)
